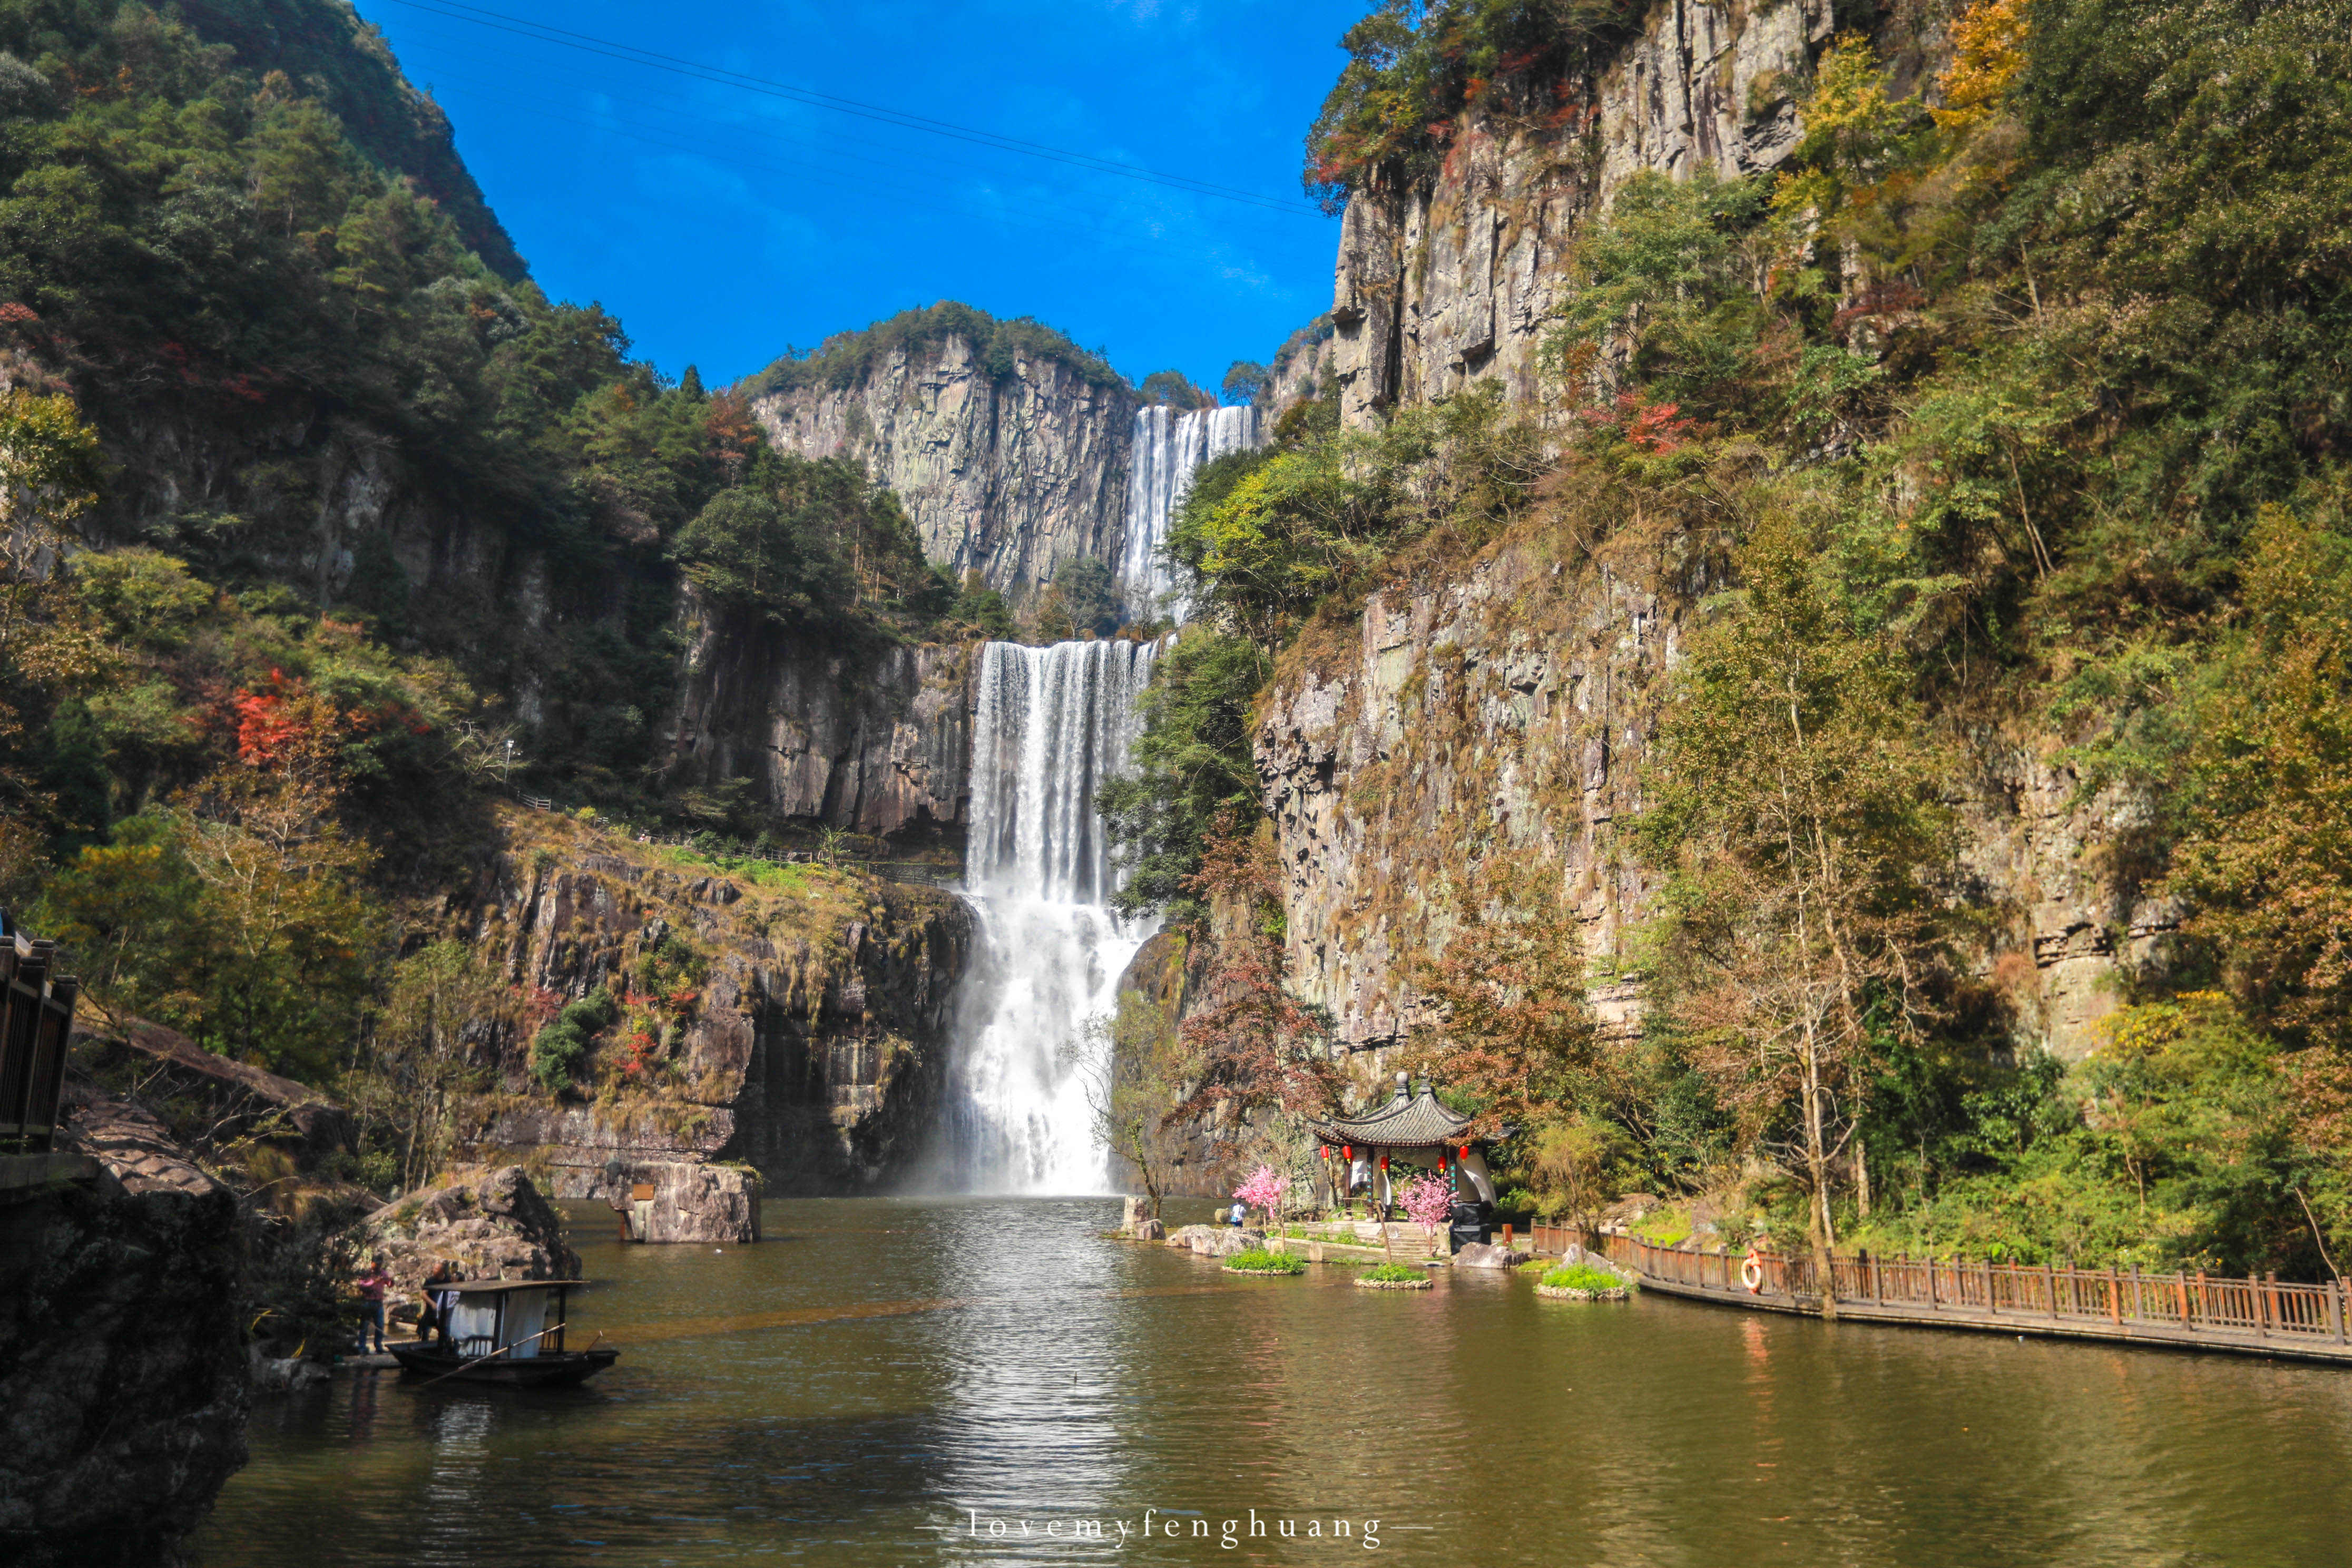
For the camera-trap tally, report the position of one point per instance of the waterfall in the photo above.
(1050, 726)
(1169, 447)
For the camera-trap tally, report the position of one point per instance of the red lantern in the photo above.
(1465, 1151)
(1384, 1162)
(1347, 1151)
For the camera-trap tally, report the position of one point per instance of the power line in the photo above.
(611, 48)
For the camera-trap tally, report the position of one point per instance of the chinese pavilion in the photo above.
(1408, 1133)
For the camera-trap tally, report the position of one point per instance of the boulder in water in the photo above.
(691, 1200)
(1216, 1240)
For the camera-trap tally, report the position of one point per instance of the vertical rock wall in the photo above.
(1501, 715)
(1442, 286)
(1503, 720)
(873, 738)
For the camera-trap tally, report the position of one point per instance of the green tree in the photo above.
(1796, 813)
(750, 552)
(1192, 766)
(1245, 379)
(1134, 1079)
(416, 1068)
(2265, 865)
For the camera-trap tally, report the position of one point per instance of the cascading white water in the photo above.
(1051, 725)
(1170, 446)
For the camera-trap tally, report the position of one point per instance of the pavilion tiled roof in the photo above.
(1405, 1122)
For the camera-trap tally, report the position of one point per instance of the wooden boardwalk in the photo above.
(2194, 1311)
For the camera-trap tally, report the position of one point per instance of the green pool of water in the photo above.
(904, 1381)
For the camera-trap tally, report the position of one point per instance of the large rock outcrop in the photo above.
(123, 1382)
(1011, 464)
(484, 1225)
(1444, 284)
(675, 1200)
(815, 1049)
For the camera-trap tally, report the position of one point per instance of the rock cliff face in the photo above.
(122, 1366)
(876, 740)
(1505, 714)
(1502, 719)
(1497, 718)
(1442, 286)
(1011, 475)
(816, 1048)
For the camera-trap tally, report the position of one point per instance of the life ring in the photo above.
(1752, 1271)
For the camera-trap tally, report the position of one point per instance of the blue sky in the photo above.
(723, 221)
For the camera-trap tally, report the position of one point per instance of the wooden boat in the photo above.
(508, 1333)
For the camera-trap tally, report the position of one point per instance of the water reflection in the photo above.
(865, 1388)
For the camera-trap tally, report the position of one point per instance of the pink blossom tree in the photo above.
(1428, 1201)
(1264, 1190)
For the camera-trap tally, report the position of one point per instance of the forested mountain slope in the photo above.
(326, 528)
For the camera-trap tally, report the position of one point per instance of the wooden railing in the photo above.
(36, 1020)
(2110, 1303)
(1545, 1236)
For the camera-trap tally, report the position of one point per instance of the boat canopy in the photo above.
(507, 1317)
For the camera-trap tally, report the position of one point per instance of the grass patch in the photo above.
(1393, 1273)
(1583, 1277)
(1668, 1227)
(1258, 1260)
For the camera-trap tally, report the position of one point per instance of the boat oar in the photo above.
(481, 1361)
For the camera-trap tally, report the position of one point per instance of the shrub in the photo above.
(559, 1048)
(1258, 1260)
(1393, 1273)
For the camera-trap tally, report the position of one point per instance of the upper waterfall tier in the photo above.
(1170, 448)
(1050, 726)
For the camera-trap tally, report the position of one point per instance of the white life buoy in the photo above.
(1752, 1271)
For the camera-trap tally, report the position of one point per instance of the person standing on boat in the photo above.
(439, 1304)
(370, 1286)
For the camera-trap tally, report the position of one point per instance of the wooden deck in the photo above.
(2179, 1311)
